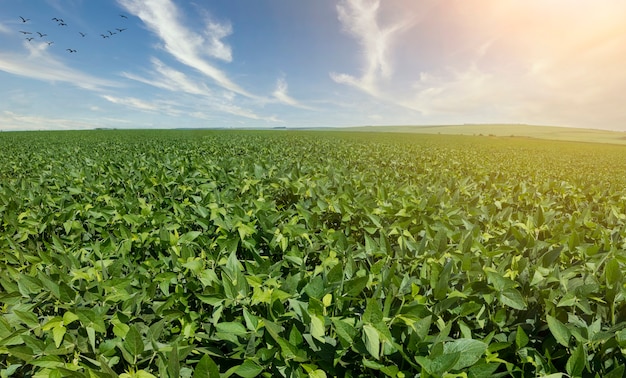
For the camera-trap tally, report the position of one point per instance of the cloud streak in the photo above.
(163, 18)
(165, 77)
(360, 18)
(12, 121)
(39, 64)
(280, 94)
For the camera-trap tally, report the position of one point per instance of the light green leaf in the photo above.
(57, 333)
(371, 340)
(317, 374)
(317, 327)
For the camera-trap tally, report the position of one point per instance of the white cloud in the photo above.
(39, 64)
(136, 103)
(163, 18)
(360, 18)
(170, 79)
(280, 93)
(12, 121)
(4, 29)
(218, 49)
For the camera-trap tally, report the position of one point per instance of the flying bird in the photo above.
(82, 34)
(104, 36)
(49, 43)
(120, 30)
(41, 35)
(25, 32)
(110, 32)
(24, 19)
(71, 50)
(62, 24)
(123, 16)
(30, 39)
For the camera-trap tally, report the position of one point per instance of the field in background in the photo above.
(508, 130)
(310, 254)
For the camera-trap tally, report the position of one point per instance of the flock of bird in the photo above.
(30, 36)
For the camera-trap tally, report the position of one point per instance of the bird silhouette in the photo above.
(82, 34)
(24, 19)
(123, 16)
(49, 43)
(111, 33)
(25, 32)
(104, 36)
(41, 35)
(71, 50)
(62, 24)
(120, 30)
(30, 39)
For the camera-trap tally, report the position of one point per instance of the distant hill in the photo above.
(508, 130)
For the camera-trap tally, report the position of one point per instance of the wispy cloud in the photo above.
(4, 29)
(11, 121)
(166, 107)
(360, 18)
(215, 32)
(280, 94)
(165, 77)
(38, 64)
(163, 18)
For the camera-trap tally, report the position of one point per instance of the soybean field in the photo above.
(222, 253)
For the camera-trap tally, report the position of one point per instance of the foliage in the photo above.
(223, 253)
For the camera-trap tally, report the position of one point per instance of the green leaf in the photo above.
(69, 317)
(133, 343)
(206, 368)
(617, 372)
(173, 363)
(371, 340)
(345, 331)
(317, 374)
(577, 361)
(373, 313)
(558, 330)
(499, 282)
(315, 288)
(470, 350)
(317, 327)
(355, 286)
(234, 328)
(438, 365)
(28, 318)
(57, 333)
(189, 237)
(613, 273)
(513, 298)
(521, 339)
(249, 369)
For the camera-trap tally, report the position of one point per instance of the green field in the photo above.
(509, 130)
(310, 254)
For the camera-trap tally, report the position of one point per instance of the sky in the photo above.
(83, 64)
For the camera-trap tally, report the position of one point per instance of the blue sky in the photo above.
(283, 63)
